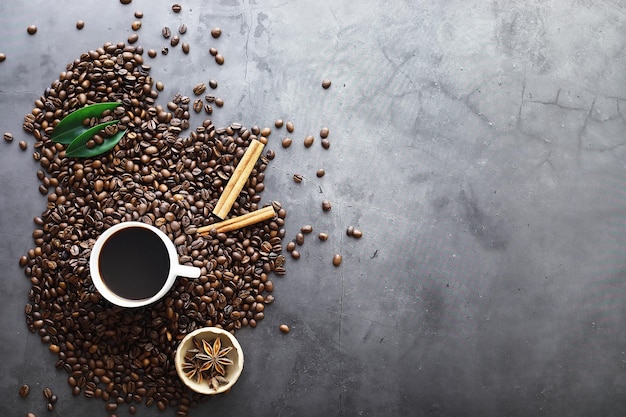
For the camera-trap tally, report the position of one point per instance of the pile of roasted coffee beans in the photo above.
(160, 177)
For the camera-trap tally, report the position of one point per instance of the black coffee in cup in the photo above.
(134, 263)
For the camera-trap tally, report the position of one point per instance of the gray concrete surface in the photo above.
(479, 145)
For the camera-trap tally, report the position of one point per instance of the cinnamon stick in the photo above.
(235, 223)
(238, 179)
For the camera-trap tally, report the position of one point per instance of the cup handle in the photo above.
(187, 271)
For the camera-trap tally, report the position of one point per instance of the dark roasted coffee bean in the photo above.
(133, 38)
(326, 205)
(324, 132)
(337, 258)
(176, 8)
(165, 50)
(320, 173)
(32, 29)
(323, 236)
(290, 126)
(219, 102)
(152, 53)
(284, 328)
(166, 32)
(278, 123)
(182, 29)
(216, 32)
(198, 105)
(8, 137)
(213, 51)
(24, 391)
(297, 178)
(325, 143)
(199, 89)
(219, 58)
(80, 24)
(291, 246)
(47, 393)
(3, 56)
(175, 40)
(308, 141)
(306, 229)
(185, 47)
(326, 83)
(126, 1)
(356, 233)
(23, 145)
(138, 14)
(213, 84)
(31, 415)
(286, 142)
(295, 254)
(136, 25)
(350, 230)
(300, 238)
(50, 407)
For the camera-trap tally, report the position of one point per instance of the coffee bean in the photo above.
(350, 230)
(308, 141)
(219, 58)
(337, 258)
(324, 132)
(297, 178)
(166, 32)
(356, 233)
(110, 407)
(326, 206)
(326, 83)
(295, 254)
(284, 328)
(286, 142)
(32, 29)
(300, 238)
(278, 123)
(325, 143)
(198, 105)
(216, 32)
(160, 86)
(8, 137)
(320, 173)
(213, 51)
(80, 24)
(126, 1)
(266, 131)
(24, 391)
(213, 84)
(152, 53)
(165, 50)
(291, 246)
(323, 236)
(133, 38)
(23, 145)
(219, 102)
(138, 14)
(199, 89)
(182, 29)
(3, 56)
(185, 47)
(50, 407)
(47, 393)
(136, 25)
(306, 229)
(290, 126)
(175, 40)
(31, 415)
(176, 8)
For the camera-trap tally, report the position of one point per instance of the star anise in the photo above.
(214, 357)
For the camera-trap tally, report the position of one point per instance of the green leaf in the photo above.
(71, 126)
(78, 147)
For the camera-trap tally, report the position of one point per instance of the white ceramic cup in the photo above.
(175, 268)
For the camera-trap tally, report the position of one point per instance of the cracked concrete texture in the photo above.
(478, 144)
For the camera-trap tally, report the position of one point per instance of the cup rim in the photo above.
(99, 282)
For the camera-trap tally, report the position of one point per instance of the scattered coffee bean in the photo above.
(24, 391)
(126, 1)
(356, 233)
(199, 89)
(323, 236)
(326, 83)
(32, 29)
(80, 24)
(175, 40)
(50, 407)
(198, 105)
(286, 142)
(300, 238)
(23, 261)
(8, 137)
(326, 206)
(110, 407)
(290, 246)
(166, 32)
(219, 102)
(290, 126)
(308, 141)
(23, 145)
(219, 58)
(152, 53)
(350, 230)
(266, 131)
(216, 32)
(320, 173)
(160, 86)
(31, 415)
(182, 29)
(213, 84)
(54, 399)
(136, 25)
(324, 132)
(213, 51)
(284, 328)
(337, 259)
(138, 14)
(185, 47)
(176, 8)
(47, 393)
(297, 178)
(325, 143)
(133, 38)
(306, 229)
(3, 56)
(295, 254)
(278, 123)
(165, 50)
